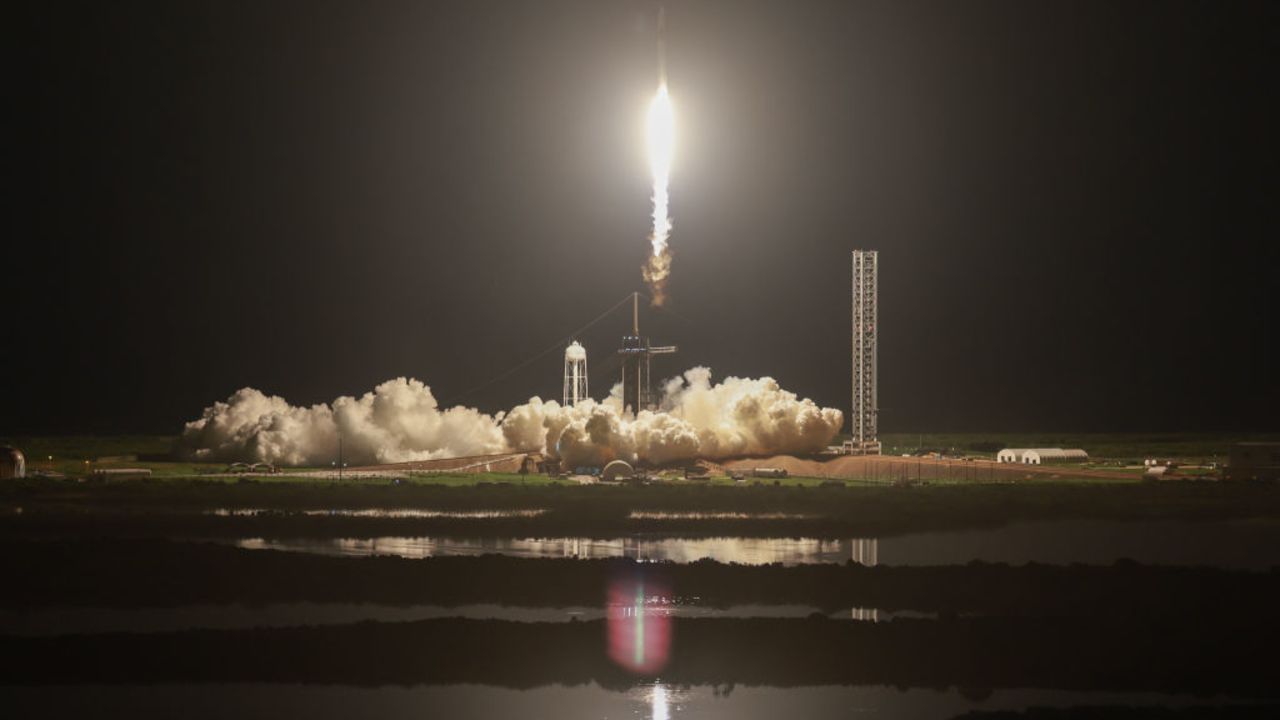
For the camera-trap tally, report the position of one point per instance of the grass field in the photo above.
(79, 455)
(180, 508)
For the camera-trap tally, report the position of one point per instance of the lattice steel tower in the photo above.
(637, 354)
(865, 400)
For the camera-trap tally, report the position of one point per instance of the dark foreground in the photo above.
(1206, 657)
(145, 598)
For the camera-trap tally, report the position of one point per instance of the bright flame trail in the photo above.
(661, 141)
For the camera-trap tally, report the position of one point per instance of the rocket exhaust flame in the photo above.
(660, 131)
(661, 137)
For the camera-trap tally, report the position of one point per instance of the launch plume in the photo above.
(397, 422)
(739, 416)
(400, 421)
(661, 143)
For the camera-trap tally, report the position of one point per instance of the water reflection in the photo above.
(659, 708)
(44, 622)
(481, 702)
(655, 515)
(865, 614)
(638, 625)
(1247, 545)
(746, 551)
(865, 551)
(390, 513)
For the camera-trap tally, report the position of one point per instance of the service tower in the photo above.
(864, 440)
(637, 394)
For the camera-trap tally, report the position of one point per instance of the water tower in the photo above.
(575, 374)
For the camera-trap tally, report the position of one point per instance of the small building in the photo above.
(13, 464)
(1010, 455)
(1253, 461)
(1054, 456)
(618, 470)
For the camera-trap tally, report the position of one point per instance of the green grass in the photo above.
(171, 507)
(1110, 451)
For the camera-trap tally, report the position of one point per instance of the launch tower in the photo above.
(636, 352)
(866, 407)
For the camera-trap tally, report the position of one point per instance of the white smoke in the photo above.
(397, 422)
(739, 416)
(400, 421)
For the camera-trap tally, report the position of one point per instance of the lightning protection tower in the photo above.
(575, 374)
(866, 407)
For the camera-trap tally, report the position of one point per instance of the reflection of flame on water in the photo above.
(661, 711)
(659, 699)
(639, 626)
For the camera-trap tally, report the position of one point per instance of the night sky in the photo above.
(1074, 204)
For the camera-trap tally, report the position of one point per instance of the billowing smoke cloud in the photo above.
(400, 421)
(739, 416)
(397, 422)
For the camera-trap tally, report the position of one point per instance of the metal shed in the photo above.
(1046, 456)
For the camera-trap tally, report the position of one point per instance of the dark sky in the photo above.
(1074, 204)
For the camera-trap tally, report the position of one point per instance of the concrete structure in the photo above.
(1253, 461)
(637, 353)
(575, 374)
(13, 464)
(1053, 456)
(864, 439)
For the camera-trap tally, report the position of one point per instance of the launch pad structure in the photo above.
(636, 354)
(865, 409)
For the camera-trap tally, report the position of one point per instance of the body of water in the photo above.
(480, 702)
(1237, 545)
(85, 620)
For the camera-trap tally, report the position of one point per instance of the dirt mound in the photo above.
(843, 467)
